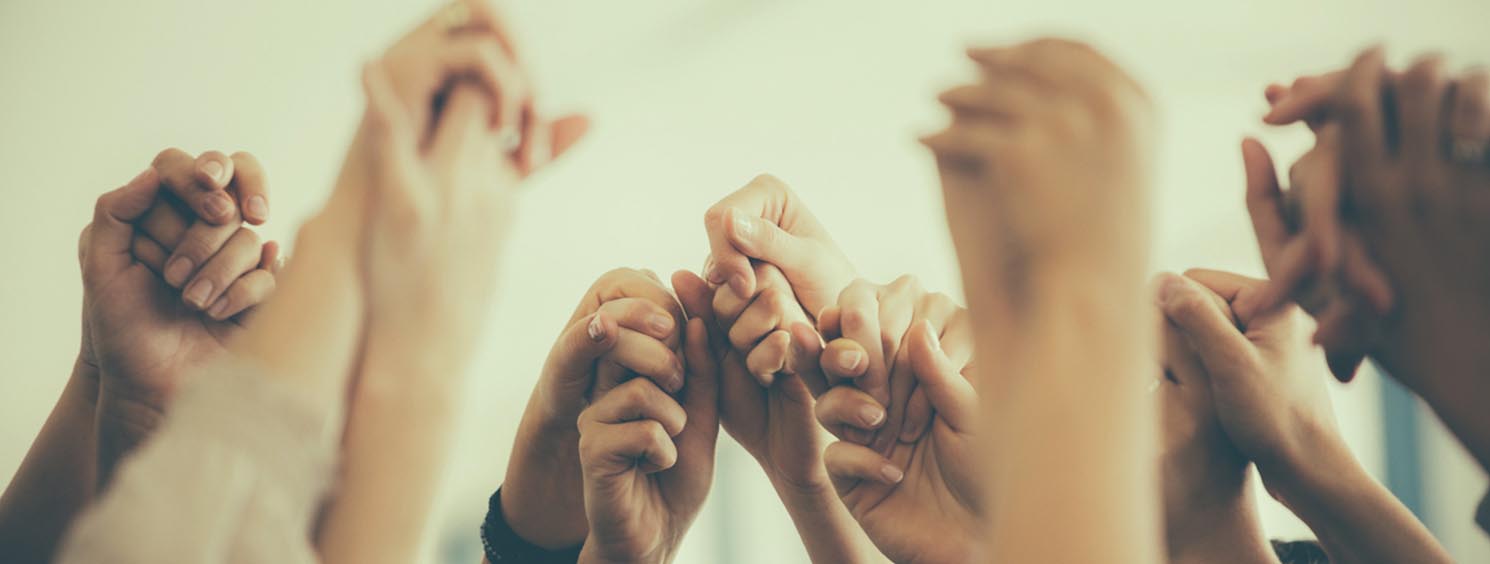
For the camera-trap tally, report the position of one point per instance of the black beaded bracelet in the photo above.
(502, 544)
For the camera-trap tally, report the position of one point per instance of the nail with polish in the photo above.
(177, 271)
(198, 292)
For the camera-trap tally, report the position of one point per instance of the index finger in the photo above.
(249, 186)
(178, 173)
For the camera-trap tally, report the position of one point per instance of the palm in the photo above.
(139, 334)
(928, 516)
(649, 508)
(776, 425)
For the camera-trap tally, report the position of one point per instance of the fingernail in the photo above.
(849, 360)
(660, 323)
(744, 229)
(871, 415)
(892, 474)
(1169, 288)
(198, 292)
(177, 271)
(217, 205)
(213, 169)
(596, 329)
(219, 307)
(677, 379)
(258, 207)
(712, 273)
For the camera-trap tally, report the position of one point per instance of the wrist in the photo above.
(1320, 467)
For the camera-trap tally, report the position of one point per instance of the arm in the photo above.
(56, 478)
(1061, 321)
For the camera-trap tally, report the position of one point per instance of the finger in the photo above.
(859, 304)
(1209, 330)
(696, 296)
(109, 236)
(270, 259)
(728, 264)
(769, 357)
(728, 306)
(637, 400)
(1420, 94)
(830, 323)
(250, 186)
(196, 247)
(612, 449)
(178, 174)
(1363, 276)
(1264, 202)
(765, 315)
(848, 406)
(918, 414)
(642, 316)
(807, 352)
(950, 395)
(1309, 96)
(700, 396)
(577, 351)
(987, 100)
(246, 292)
(481, 59)
(1294, 266)
(165, 224)
(213, 170)
(463, 131)
(148, 253)
(844, 358)
(1321, 196)
(1469, 120)
(1359, 105)
(485, 17)
(238, 256)
(761, 239)
(1237, 290)
(647, 357)
(848, 464)
(565, 132)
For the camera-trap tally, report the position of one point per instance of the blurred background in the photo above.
(689, 99)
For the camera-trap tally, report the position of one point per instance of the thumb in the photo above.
(572, 360)
(951, 395)
(1197, 314)
(760, 239)
(108, 237)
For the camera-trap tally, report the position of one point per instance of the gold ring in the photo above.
(455, 15)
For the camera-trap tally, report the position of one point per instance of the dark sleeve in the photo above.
(503, 545)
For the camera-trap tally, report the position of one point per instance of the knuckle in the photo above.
(765, 180)
(168, 155)
(716, 216)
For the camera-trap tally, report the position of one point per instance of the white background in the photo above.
(690, 99)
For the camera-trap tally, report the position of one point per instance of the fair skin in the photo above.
(648, 460)
(918, 498)
(442, 190)
(1039, 289)
(1270, 399)
(1416, 210)
(141, 341)
(767, 408)
(627, 323)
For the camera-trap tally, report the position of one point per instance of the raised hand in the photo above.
(918, 500)
(766, 221)
(143, 336)
(626, 325)
(1045, 175)
(1266, 390)
(648, 460)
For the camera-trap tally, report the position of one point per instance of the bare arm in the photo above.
(56, 479)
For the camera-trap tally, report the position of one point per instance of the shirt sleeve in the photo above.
(235, 474)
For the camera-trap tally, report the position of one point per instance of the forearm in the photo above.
(1356, 519)
(541, 497)
(829, 532)
(1071, 426)
(56, 479)
(400, 426)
